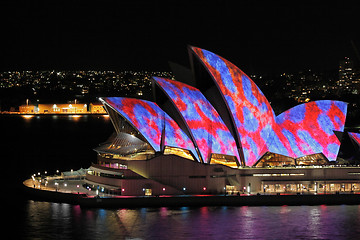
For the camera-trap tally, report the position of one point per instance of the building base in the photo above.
(189, 200)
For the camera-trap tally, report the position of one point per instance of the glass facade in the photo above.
(275, 160)
(112, 165)
(179, 152)
(312, 160)
(278, 160)
(226, 160)
(303, 187)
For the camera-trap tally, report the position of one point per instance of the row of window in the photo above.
(113, 165)
(116, 176)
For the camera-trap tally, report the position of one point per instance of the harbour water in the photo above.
(63, 221)
(49, 143)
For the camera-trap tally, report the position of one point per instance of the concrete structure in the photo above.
(166, 175)
(219, 136)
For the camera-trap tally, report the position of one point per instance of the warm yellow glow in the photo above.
(275, 160)
(27, 116)
(224, 160)
(226, 163)
(277, 174)
(179, 152)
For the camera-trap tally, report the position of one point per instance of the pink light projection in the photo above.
(251, 112)
(355, 137)
(149, 119)
(207, 128)
(302, 130)
(308, 129)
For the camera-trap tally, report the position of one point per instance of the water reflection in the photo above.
(55, 220)
(71, 117)
(27, 117)
(315, 221)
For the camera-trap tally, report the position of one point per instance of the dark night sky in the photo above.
(145, 35)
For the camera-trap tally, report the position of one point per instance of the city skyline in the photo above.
(293, 51)
(343, 81)
(346, 76)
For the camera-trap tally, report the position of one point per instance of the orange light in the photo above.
(27, 116)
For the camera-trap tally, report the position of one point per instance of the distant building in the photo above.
(27, 108)
(97, 108)
(62, 108)
(67, 108)
(53, 108)
(348, 79)
(346, 73)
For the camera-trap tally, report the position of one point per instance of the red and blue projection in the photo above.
(251, 112)
(175, 137)
(355, 137)
(308, 129)
(149, 119)
(209, 132)
(303, 130)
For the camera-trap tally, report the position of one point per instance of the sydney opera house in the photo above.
(218, 134)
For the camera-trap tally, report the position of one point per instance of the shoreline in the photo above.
(86, 201)
(199, 201)
(49, 114)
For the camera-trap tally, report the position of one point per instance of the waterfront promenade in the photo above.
(60, 189)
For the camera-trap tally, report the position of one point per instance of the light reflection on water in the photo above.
(38, 144)
(58, 220)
